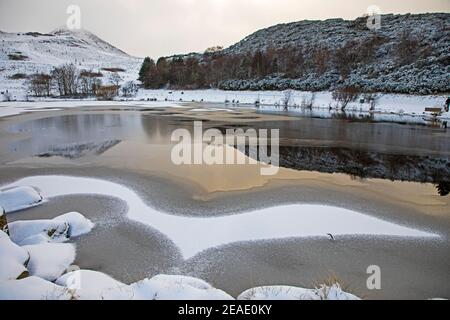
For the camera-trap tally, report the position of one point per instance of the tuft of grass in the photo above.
(332, 279)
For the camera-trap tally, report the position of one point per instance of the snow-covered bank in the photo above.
(44, 105)
(193, 235)
(42, 272)
(388, 107)
(397, 103)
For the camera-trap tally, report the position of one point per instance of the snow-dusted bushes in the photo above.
(319, 56)
(345, 95)
(130, 89)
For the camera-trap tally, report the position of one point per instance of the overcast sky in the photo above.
(164, 27)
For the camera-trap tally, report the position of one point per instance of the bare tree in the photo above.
(115, 79)
(40, 85)
(287, 99)
(345, 95)
(89, 82)
(66, 79)
(129, 89)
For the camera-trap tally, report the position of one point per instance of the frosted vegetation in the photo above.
(61, 63)
(409, 54)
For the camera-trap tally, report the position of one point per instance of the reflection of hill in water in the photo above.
(79, 150)
(369, 164)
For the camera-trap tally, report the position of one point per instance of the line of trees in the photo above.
(68, 81)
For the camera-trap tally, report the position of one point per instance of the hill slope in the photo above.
(24, 54)
(423, 67)
(409, 54)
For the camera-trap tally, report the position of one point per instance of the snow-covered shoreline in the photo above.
(407, 106)
(36, 264)
(36, 258)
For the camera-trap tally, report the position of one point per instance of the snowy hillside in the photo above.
(422, 67)
(24, 54)
(409, 54)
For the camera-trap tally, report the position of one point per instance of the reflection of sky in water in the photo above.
(90, 134)
(380, 137)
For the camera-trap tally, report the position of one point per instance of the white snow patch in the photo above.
(193, 235)
(387, 103)
(86, 280)
(15, 199)
(50, 260)
(333, 292)
(169, 287)
(15, 108)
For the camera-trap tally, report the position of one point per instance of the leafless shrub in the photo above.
(345, 95)
(89, 82)
(40, 85)
(129, 89)
(107, 92)
(287, 99)
(308, 101)
(66, 79)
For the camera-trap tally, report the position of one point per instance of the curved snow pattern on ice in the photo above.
(193, 235)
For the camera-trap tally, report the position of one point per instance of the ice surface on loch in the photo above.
(193, 235)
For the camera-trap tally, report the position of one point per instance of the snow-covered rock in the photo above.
(91, 285)
(78, 224)
(33, 288)
(12, 259)
(19, 198)
(60, 229)
(171, 287)
(87, 280)
(333, 292)
(50, 260)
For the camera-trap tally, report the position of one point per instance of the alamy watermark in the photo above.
(374, 280)
(212, 147)
(374, 18)
(74, 20)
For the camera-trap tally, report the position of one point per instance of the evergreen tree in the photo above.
(145, 68)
